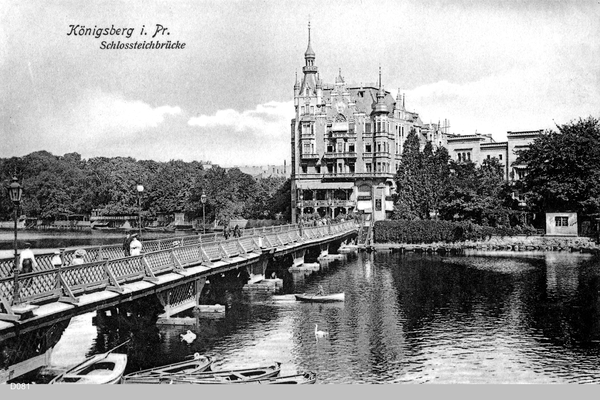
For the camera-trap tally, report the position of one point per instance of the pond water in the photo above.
(501, 317)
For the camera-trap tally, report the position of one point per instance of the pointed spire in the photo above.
(309, 51)
(380, 106)
(399, 95)
(297, 84)
(339, 78)
(403, 100)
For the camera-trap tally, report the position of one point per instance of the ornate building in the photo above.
(346, 144)
(347, 141)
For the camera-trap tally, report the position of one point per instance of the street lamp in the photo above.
(14, 192)
(330, 202)
(140, 189)
(301, 197)
(203, 200)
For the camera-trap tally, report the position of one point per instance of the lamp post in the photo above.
(330, 202)
(14, 192)
(203, 200)
(140, 189)
(301, 197)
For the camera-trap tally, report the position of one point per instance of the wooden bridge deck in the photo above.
(62, 293)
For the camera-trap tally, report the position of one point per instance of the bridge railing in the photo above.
(111, 252)
(65, 283)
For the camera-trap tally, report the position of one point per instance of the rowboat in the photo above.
(321, 299)
(99, 369)
(198, 364)
(211, 377)
(307, 378)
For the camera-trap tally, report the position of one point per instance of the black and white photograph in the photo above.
(234, 193)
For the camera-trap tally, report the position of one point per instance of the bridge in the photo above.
(175, 270)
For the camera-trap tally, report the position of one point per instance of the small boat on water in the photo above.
(307, 378)
(245, 375)
(329, 298)
(99, 369)
(198, 364)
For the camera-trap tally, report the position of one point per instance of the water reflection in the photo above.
(482, 318)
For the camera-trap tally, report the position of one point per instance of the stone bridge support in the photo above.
(324, 249)
(181, 298)
(256, 270)
(298, 257)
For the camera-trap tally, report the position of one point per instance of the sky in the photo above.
(227, 97)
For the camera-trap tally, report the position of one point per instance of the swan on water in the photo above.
(188, 337)
(319, 333)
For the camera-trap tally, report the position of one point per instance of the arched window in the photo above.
(340, 118)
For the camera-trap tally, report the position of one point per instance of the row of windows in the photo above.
(464, 156)
(341, 167)
(348, 147)
(380, 126)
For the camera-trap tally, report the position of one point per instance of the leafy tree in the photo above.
(409, 177)
(476, 194)
(59, 185)
(564, 168)
(421, 180)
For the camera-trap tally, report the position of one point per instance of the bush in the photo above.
(430, 231)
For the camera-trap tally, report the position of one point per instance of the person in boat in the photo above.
(127, 244)
(135, 247)
(320, 291)
(226, 232)
(27, 259)
(236, 231)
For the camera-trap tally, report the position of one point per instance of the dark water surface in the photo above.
(480, 318)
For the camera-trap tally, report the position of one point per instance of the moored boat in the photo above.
(99, 369)
(198, 364)
(245, 375)
(307, 378)
(321, 298)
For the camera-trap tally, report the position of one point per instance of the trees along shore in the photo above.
(65, 185)
(439, 199)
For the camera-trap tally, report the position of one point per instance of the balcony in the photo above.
(340, 155)
(326, 203)
(342, 134)
(328, 176)
(309, 156)
(356, 175)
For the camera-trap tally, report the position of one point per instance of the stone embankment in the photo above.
(514, 243)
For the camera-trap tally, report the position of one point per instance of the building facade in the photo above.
(347, 141)
(479, 147)
(346, 144)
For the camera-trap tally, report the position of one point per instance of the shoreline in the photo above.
(509, 243)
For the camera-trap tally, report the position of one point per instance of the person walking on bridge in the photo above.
(135, 247)
(127, 245)
(27, 259)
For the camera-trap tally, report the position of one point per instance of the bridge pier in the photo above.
(181, 297)
(324, 250)
(256, 271)
(298, 257)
